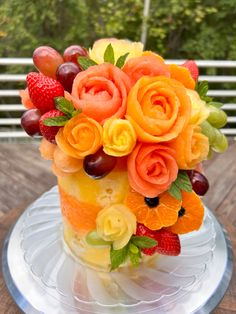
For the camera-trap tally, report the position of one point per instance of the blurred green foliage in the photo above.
(199, 29)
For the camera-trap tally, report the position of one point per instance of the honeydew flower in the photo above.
(119, 137)
(199, 112)
(120, 47)
(116, 224)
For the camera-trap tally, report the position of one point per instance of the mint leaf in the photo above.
(85, 62)
(143, 242)
(56, 121)
(118, 257)
(202, 88)
(64, 105)
(133, 248)
(75, 112)
(109, 55)
(183, 181)
(175, 191)
(121, 60)
(134, 258)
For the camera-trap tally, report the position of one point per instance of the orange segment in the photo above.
(163, 215)
(182, 75)
(81, 215)
(193, 215)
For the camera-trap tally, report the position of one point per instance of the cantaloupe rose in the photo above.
(200, 112)
(120, 47)
(148, 64)
(151, 169)
(81, 136)
(119, 137)
(116, 224)
(158, 108)
(101, 92)
(191, 147)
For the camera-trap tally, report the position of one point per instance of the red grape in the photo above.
(66, 73)
(99, 164)
(30, 122)
(73, 52)
(199, 182)
(47, 60)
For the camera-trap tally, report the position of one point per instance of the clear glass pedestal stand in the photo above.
(43, 277)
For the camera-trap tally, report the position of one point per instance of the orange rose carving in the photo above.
(191, 147)
(101, 92)
(148, 64)
(81, 136)
(159, 108)
(151, 169)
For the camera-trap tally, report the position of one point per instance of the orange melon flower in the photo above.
(182, 75)
(191, 147)
(81, 136)
(191, 214)
(151, 169)
(101, 92)
(159, 108)
(147, 64)
(164, 214)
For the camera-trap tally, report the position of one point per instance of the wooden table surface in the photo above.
(24, 176)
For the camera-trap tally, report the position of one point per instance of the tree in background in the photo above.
(199, 29)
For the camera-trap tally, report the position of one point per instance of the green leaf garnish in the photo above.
(56, 121)
(143, 242)
(64, 105)
(175, 191)
(118, 257)
(109, 55)
(202, 89)
(134, 258)
(121, 60)
(85, 62)
(183, 183)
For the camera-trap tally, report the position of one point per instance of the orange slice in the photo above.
(81, 215)
(163, 215)
(191, 215)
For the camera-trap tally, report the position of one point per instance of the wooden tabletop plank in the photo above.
(24, 176)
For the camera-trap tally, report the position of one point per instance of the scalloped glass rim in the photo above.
(156, 285)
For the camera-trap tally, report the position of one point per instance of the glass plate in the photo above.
(43, 277)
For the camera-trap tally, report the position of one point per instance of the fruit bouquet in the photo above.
(126, 134)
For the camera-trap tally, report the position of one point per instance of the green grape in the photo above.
(217, 117)
(210, 153)
(93, 238)
(221, 143)
(209, 131)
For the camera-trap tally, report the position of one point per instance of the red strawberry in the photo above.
(43, 90)
(192, 66)
(49, 132)
(168, 242)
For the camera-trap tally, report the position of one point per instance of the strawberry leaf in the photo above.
(64, 105)
(85, 62)
(121, 60)
(143, 242)
(56, 121)
(118, 257)
(202, 88)
(109, 55)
